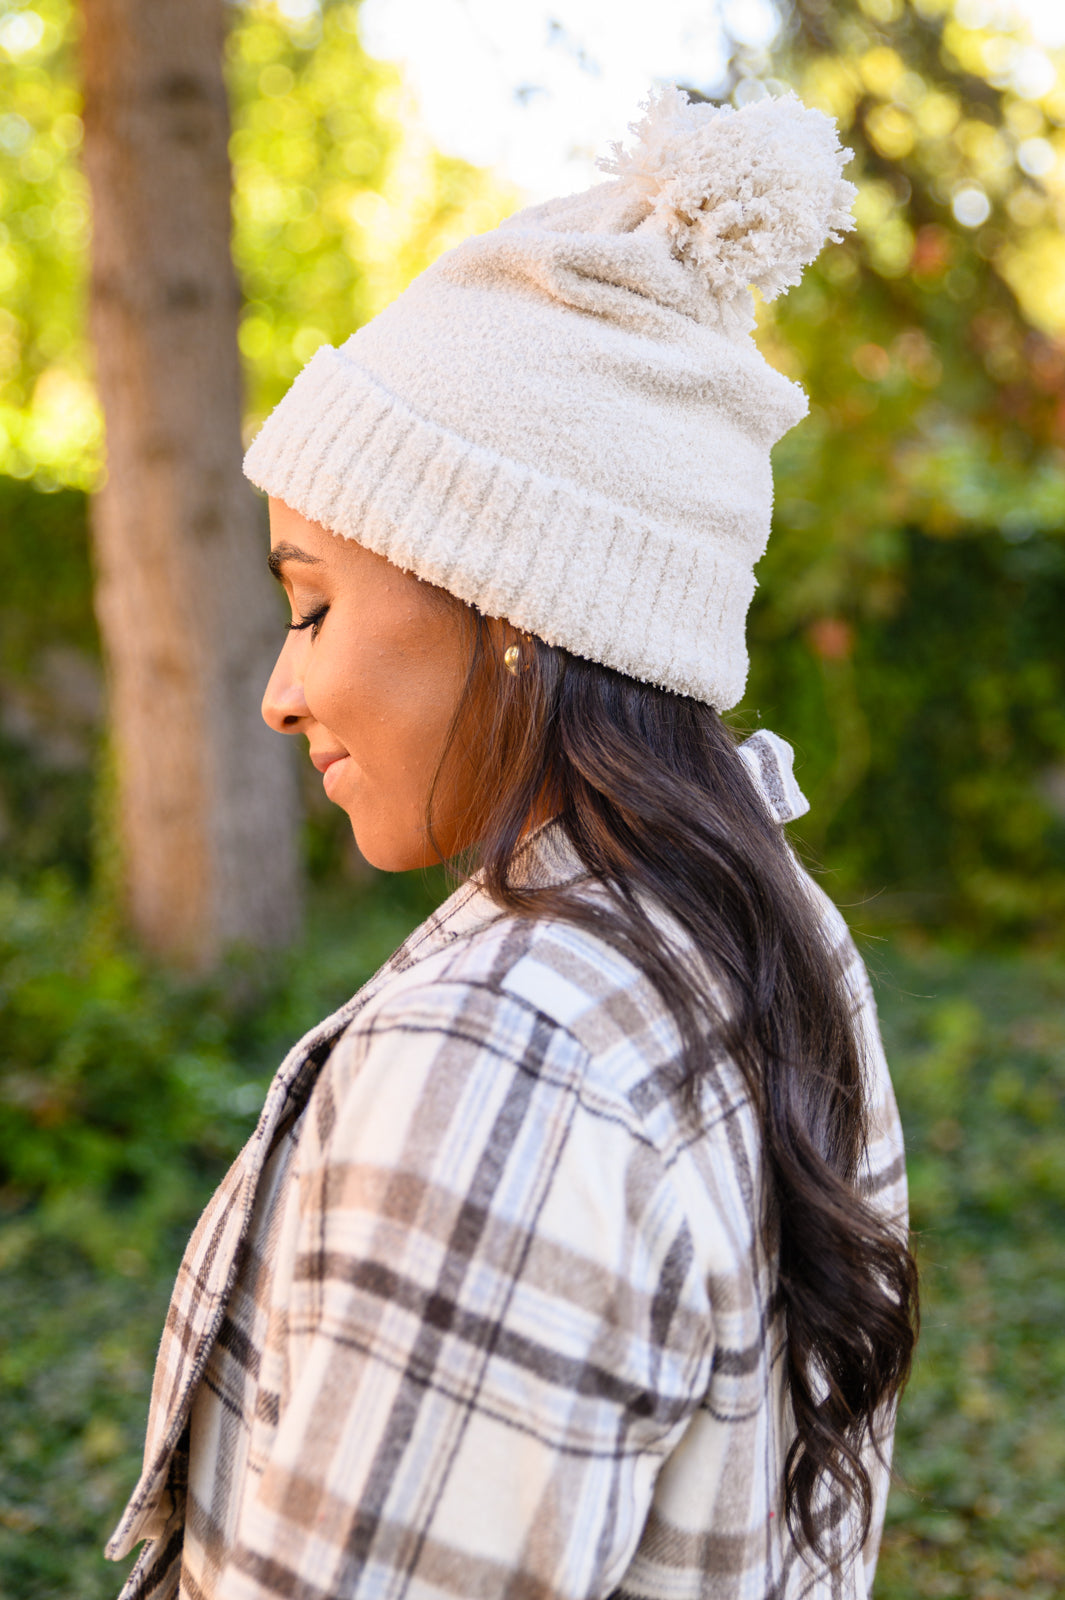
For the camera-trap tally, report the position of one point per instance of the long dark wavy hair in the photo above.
(658, 806)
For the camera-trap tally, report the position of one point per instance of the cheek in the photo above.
(334, 689)
(387, 701)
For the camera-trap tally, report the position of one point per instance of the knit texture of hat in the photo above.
(566, 422)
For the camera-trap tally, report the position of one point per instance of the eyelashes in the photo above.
(312, 620)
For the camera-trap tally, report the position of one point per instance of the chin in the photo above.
(391, 853)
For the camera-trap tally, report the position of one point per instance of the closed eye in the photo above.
(312, 620)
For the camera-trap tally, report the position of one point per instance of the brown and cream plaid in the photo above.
(479, 1312)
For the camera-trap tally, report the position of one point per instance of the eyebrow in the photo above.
(288, 552)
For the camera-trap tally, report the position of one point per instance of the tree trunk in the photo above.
(207, 796)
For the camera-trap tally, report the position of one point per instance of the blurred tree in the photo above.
(206, 795)
(339, 199)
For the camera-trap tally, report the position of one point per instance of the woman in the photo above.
(568, 1258)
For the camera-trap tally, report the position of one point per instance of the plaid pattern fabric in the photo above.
(480, 1312)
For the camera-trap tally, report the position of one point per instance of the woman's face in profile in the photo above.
(371, 672)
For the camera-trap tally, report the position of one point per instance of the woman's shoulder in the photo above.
(531, 1046)
(544, 999)
(542, 993)
(508, 979)
(525, 1045)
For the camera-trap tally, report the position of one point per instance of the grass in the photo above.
(978, 1054)
(979, 1067)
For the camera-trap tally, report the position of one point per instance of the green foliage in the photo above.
(121, 1088)
(978, 1054)
(49, 420)
(45, 577)
(49, 683)
(933, 735)
(905, 632)
(105, 1076)
(73, 1397)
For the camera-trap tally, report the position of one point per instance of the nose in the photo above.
(284, 706)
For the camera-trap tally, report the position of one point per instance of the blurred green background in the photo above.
(907, 638)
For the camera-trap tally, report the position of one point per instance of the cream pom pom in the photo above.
(746, 197)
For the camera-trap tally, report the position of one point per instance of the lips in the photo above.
(329, 763)
(325, 758)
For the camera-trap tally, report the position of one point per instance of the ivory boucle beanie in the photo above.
(566, 422)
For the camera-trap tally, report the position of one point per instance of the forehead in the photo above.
(291, 527)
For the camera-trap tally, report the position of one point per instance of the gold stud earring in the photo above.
(512, 659)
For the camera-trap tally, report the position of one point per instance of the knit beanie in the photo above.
(565, 422)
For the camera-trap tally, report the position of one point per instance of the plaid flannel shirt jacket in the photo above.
(517, 1337)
